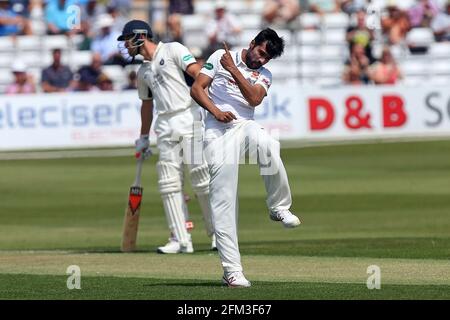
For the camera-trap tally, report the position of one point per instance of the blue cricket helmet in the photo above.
(135, 28)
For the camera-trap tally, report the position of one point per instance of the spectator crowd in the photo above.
(100, 22)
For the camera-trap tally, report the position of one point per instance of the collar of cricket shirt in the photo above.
(239, 58)
(156, 50)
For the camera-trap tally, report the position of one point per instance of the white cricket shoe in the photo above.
(213, 243)
(286, 217)
(235, 279)
(173, 246)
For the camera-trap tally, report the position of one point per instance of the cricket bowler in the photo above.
(237, 83)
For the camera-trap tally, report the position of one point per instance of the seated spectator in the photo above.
(123, 6)
(89, 74)
(395, 25)
(441, 24)
(119, 18)
(104, 83)
(421, 14)
(352, 75)
(356, 69)
(84, 83)
(23, 83)
(58, 16)
(386, 70)
(224, 27)
(158, 19)
(105, 43)
(322, 7)
(132, 81)
(89, 14)
(12, 23)
(57, 77)
(174, 29)
(181, 7)
(360, 34)
(281, 12)
(176, 9)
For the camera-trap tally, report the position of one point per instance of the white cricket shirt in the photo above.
(162, 78)
(224, 91)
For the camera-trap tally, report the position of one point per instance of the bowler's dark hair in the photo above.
(275, 44)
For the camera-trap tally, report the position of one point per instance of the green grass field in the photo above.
(376, 204)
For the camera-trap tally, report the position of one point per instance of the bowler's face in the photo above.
(257, 56)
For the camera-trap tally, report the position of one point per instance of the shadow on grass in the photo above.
(212, 284)
(137, 251)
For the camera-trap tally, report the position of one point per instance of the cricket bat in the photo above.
(131, 220)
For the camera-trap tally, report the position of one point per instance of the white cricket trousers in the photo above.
(224, 150)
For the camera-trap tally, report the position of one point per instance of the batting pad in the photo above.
(170, 177)
(173, 207)
(170, 185)
(200, 184)
(200, 179)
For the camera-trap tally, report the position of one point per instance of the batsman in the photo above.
(161, 85)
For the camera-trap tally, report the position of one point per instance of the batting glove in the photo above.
(142, 147)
